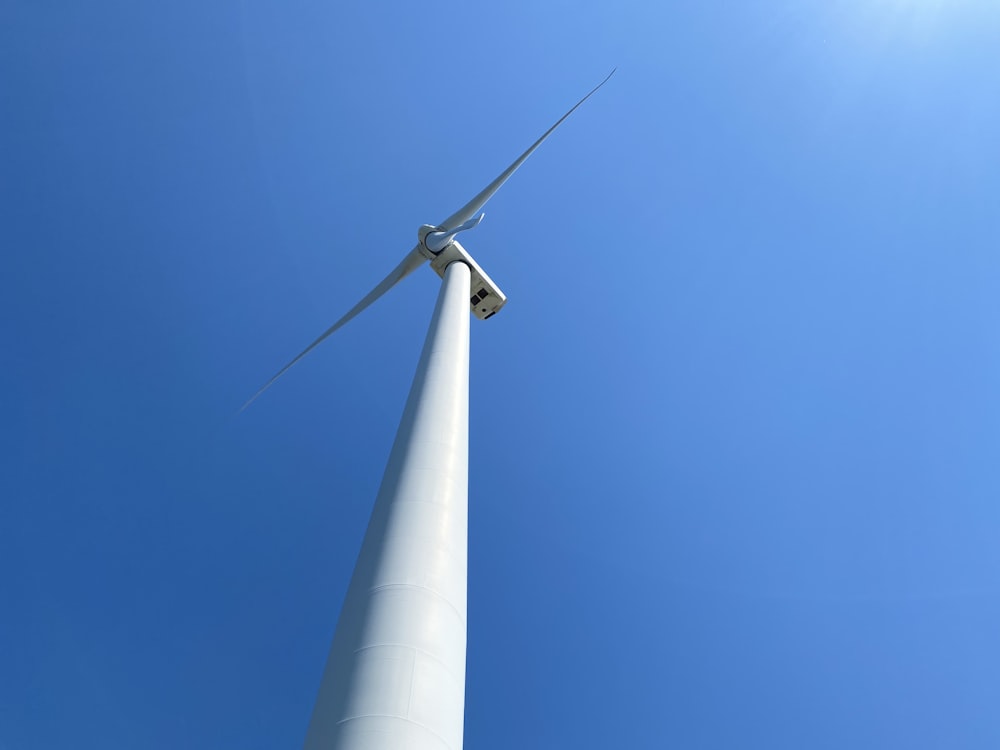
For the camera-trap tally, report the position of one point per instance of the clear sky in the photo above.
(735, 437)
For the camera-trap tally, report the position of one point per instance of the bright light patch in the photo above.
(921, 22)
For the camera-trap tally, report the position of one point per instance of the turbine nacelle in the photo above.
(435, 239)
(486, 298)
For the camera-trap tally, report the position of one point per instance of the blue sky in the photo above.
(734, 476)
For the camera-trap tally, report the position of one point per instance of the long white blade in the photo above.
(409, 264)
(474, 206)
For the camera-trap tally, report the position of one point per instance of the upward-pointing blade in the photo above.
(474, 206)
(409, 263)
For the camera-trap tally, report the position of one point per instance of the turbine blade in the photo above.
(474, 206)
(408, 264)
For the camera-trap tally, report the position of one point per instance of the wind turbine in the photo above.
(395, 675)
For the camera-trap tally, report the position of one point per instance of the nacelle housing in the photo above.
(486, 298)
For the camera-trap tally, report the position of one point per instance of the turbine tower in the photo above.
(395, 676)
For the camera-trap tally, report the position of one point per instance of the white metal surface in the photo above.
(436, 240)
(395, 676)
(485, 297)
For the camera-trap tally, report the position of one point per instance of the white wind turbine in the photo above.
(395, 676)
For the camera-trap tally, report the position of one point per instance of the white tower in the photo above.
(395, 676)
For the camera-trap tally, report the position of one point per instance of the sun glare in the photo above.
(920, 21)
